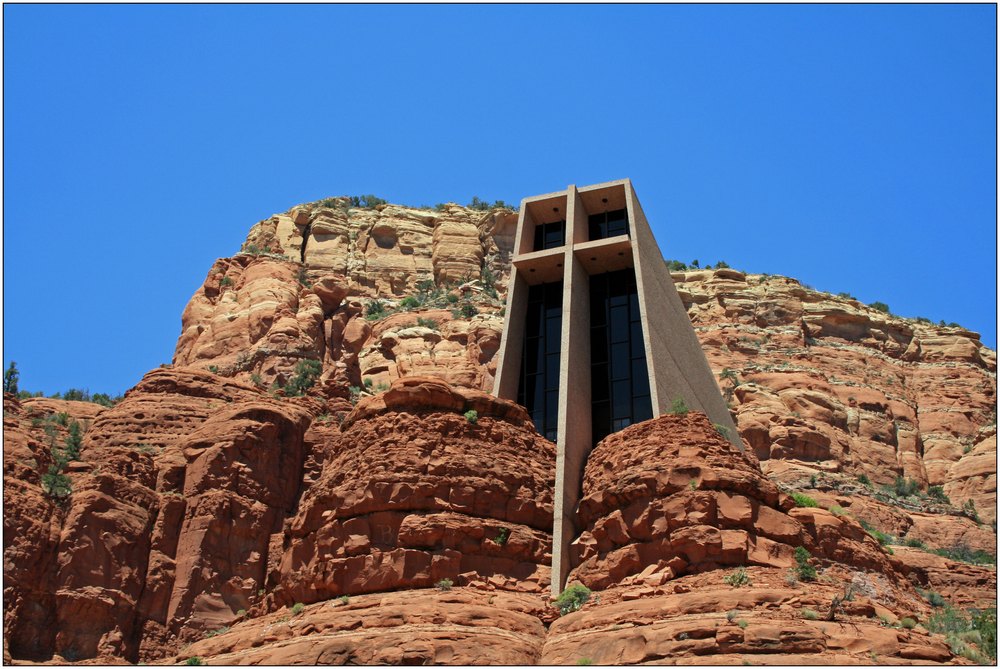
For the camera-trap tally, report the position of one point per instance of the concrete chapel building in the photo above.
(596, 337)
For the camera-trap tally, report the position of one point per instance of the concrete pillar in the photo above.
(574, 441)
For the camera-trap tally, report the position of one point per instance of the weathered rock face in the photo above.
(672, 496)
(838, 387)
(388, 249)
(700, 619)
(200, 495)
(413, 492)
(166, 531)
(465, 626)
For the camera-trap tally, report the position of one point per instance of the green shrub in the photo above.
(381, 387)
(366, 201)
(675, 265)
(375, 310)
(934, 599)
(731, 615)
(936, 493)
(225, 281)
(837, 510)
(409, 302)
(905, 487)
(978, 626)
(907, 623)
(880, 306)
(503, 534)
(962, 552)
(737, 578)
(55, 484)
(194, 661)
(452, 298)
(969, 509)
(865, 481)
(809, 614)
(73, 441)
(584, 661)
(804, 571)
(367, 382)
(444, 584)
(472, 416)
(572, 598)
(722, 430)
(679, 407)
(10, 378)
(241, 613)
(428, 323)
(306, 374)
(913, 542)
(880, 536)
(469, 310)
(804, 500)
(742, 623)
(221, 630)
(344, 599)
(297, 608)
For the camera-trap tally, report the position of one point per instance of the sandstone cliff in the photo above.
(215, 508)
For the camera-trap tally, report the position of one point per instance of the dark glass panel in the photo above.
(636, 337)
(551, 407)
(621, 398)
(608, 224)
(602, 420)
(640, 378)
(552, 371)
(598, 345)
(533, 352)
(642, 408)
(619, 324)
(619, 377)
(555, 235)
(553, 334)
(599, 383)
(539, 382)
(620, 363)
(539, 238)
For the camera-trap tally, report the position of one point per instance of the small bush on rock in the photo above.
(472, 416)
(804, 570)
(679, 406)
(297, 608)
(804, 500)
(572, 598)
(737, 578)
(444, 584)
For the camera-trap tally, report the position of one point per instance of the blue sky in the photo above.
(850, 146)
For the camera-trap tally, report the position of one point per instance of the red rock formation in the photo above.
(199, 495)
(413, 492)
(671, 496)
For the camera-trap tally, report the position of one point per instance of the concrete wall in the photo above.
(676, 361)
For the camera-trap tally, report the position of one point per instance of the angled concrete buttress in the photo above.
(596, 337)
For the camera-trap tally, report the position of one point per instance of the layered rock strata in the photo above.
(425, 483)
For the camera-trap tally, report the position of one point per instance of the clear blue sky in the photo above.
(850, 146)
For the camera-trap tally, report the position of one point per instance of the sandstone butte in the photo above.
(217, 514)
